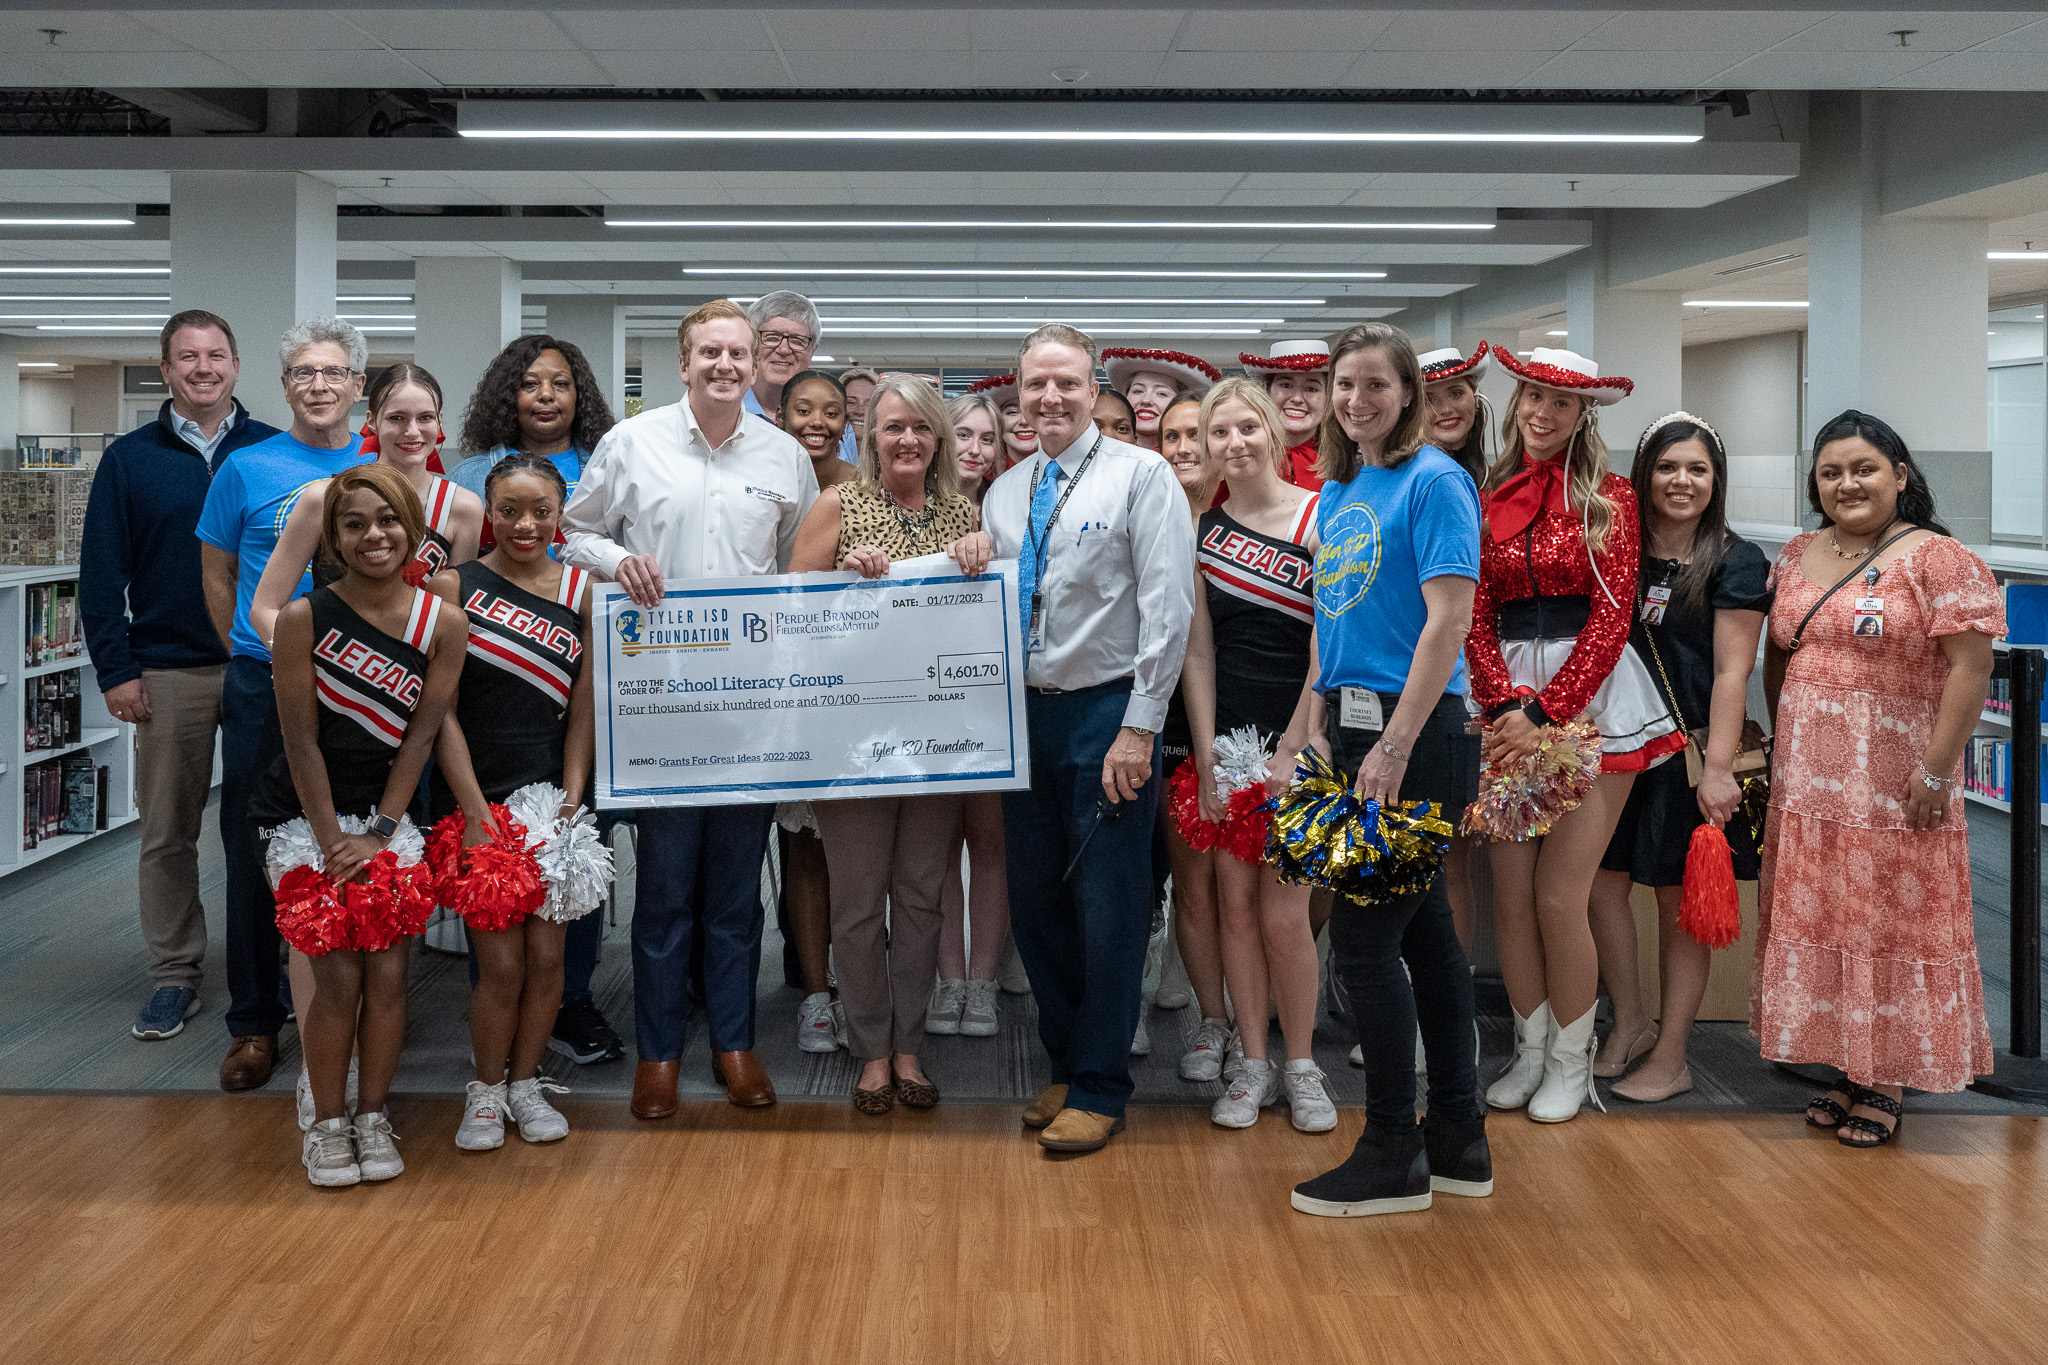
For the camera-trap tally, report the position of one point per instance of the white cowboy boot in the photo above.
(1525, 1073)
(1567, 1073)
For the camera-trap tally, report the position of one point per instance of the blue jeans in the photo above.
(1082, 939)
(250, 742)
(697, 862)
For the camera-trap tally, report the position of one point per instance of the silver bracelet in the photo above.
(1930, 781)
(1392, 751)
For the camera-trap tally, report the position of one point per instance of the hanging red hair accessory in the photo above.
(1240, 783)
(492, 886)
(389, 901)
(1710, 911)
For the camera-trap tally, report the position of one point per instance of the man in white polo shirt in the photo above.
(701, 489)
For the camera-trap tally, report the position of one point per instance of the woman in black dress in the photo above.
(365, 670)
(1701, 600)
(523, 717)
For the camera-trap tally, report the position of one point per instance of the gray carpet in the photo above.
(72, 976)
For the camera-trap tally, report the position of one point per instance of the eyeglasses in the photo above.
(793, 342)
(299, 376)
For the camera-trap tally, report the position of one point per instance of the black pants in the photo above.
(1369, 945)
(251, 744)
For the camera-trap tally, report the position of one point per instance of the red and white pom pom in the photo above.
(494, 885)
(390, 901)
(1240, 776)
(574, 863)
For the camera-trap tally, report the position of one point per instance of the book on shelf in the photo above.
(79, 804)
(42, 516)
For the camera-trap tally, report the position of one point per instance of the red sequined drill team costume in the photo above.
(1551, 618)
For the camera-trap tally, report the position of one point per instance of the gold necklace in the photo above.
(1835, 544)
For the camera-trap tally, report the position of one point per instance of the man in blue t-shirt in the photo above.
(245, 511)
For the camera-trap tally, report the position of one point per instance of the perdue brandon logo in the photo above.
(755, 628)
(671, 628)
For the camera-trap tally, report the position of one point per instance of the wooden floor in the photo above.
(181, 1228)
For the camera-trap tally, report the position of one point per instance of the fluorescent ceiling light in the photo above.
(82, 317)
(35, 365)
(392, 328)
(85, 298)
(976, 301)
(1069, 320)
(822, 357)
(1557, 334)
(67, 222)
(1027, 224)
(2017, 255)
(993, 273)
(994, 331)
(373, 298)
(377, 317)
(1069, 135)
(1745, 303)
(84, 270)
(77, 327)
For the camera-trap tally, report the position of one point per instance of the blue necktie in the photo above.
(1027, 556)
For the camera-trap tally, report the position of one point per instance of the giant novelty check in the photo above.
(812, 686)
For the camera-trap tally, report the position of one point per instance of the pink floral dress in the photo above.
(1866, 959)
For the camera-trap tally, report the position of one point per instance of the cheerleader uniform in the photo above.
(525, 654)
(1550, 617)
(1260, 594)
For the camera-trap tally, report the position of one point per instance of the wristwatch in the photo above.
(1140, 731)
(383, 826)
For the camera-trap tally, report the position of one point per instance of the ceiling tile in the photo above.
(1699, 30)
(1583, 70)
(2032, 38)
(259, 30)
(891, 68)
(1302, 198)
(1979, 71)
(659, 187)
(1873, 31)
(1035, 68)
(1434, 70)
(871, 30)
(1247, 70)
(1071, 30)
(329, 70)
(1823, 70)
(160, 68)
(1463, 31)
(1281, 30)
(556, 67)
(442, 30)
(657, 67)
(667, 30)
(83, 31)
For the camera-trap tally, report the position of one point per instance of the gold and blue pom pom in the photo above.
(1323, 835)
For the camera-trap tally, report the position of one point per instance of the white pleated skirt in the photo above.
(1637, 729)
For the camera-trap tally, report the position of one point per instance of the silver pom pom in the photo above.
(574, 862)
(292, 844)
(1241, 760)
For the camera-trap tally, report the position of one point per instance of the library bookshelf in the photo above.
(90, 735)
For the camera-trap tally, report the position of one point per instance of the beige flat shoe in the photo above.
(1639, 1047)
(1643, 1092)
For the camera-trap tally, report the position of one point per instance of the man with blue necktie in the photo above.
(1105, 578)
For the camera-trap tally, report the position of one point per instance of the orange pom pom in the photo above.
(1710, 911)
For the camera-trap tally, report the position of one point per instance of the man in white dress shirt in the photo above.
(1106, 563)
(701, 489)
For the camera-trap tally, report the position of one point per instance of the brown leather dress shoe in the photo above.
(249, 1062)
(1079, 1130)
(1046, 1107)
(746, 1084)
(654, 1088)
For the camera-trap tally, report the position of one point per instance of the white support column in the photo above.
(597, 326)
(10, 405)
(466, 308)
(661, 372)
(257, 248)
(1633, 332)
(1895, 325)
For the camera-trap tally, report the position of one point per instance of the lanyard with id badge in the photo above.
(1868, 620)
(1042, 542)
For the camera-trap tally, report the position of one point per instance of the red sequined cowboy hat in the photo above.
(1567, 370)
(1296, 357)
(1190, 372)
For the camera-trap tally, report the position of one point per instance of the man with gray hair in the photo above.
(786, 324)
(251, 495)
(1105, 557)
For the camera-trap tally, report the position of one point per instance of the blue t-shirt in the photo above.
(1385, 534)
(472, 472)
(246, 507)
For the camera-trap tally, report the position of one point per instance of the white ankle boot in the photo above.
(1525, 1073)
(1567, 1073)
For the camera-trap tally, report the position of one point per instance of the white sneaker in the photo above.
(978, 1015)
(377, 1147)
(1010, 973)
(329, 1154)
(1256, 1085)
(839, 1022)
(1175, 992)
(1141, 1041)
(304, 1093)
(816, 1029)
(483, 1118)
(1308, 1097)
(1203, 1061)
(538, 1120)
(1233, 1060)
(942, 1012)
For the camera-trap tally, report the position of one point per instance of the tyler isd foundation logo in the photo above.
(666, 629)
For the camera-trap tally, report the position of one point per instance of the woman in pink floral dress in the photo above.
(1866, 959)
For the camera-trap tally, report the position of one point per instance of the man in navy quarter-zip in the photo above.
(159, 662)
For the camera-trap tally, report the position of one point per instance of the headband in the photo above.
(1643, 442)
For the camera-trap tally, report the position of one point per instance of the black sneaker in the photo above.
(1459, 1159)
(1385, 1173)
(583, 1036)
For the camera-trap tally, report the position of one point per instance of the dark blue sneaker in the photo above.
(165, 1014)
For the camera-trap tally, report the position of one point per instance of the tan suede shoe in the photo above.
(1078, 1130)
(1046, 1107)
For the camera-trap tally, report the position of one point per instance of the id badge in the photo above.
(1869, 621)
(1655, 600)
(1358, 708)
(1036, 640)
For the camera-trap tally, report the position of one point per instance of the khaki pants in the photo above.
(893, 851)
(173, 771)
